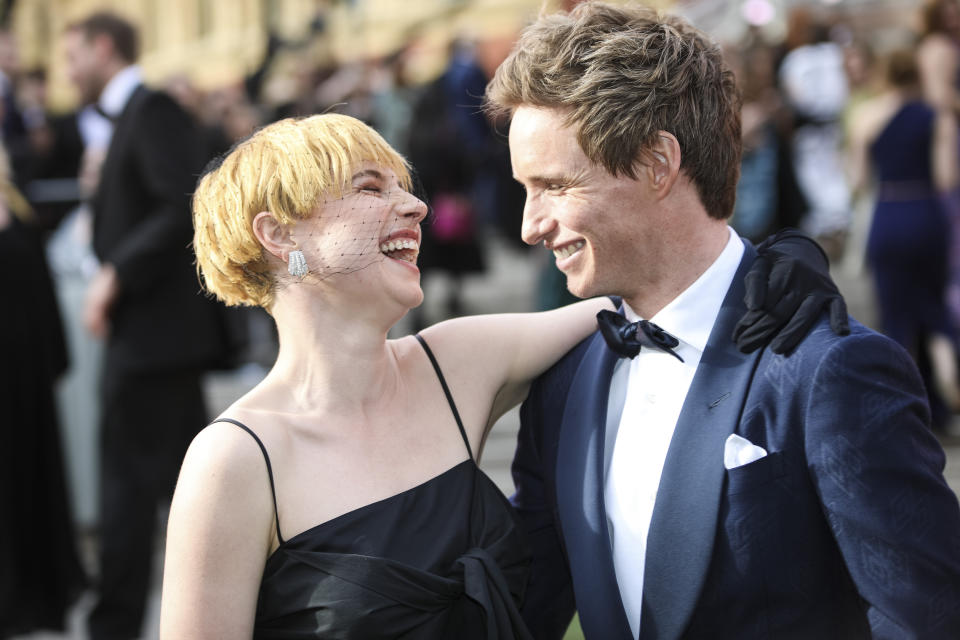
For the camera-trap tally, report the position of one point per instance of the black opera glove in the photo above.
(788, 287)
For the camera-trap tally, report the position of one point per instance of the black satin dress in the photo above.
(445, 559)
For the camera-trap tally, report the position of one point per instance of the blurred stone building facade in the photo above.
(217, 42)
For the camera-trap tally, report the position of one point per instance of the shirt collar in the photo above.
(114, 97)
(690, 316)
(94, 128)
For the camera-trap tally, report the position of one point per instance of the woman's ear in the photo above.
(274, 236)
(663, 164)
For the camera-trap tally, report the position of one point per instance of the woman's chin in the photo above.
(408, 298)
(415, 300)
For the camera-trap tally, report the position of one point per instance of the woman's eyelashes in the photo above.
(379, 189)
(370, 187)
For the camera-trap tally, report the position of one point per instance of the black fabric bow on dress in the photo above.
(625, 338)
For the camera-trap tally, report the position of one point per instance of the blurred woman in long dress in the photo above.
(909, 147)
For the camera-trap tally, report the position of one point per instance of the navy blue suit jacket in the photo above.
(846, 529)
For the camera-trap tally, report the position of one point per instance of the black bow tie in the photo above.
(625, 338)
(104, 114)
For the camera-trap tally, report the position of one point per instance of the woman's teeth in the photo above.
(401, 244)
(569, 250)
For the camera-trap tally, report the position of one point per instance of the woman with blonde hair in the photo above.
(341, 496)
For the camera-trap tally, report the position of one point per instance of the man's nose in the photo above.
(537, 224)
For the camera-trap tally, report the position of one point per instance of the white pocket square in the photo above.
(739, 451)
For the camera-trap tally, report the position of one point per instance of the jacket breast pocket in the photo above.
(757, 474)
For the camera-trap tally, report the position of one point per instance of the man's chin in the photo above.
(580, 289)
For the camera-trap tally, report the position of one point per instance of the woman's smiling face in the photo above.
(374, 223)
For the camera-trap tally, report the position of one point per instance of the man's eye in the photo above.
(554, 186)
(371, 188)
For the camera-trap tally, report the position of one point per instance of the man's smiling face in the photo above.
(579, 210)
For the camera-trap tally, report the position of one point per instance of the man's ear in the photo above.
(275, 237)
(663, 163)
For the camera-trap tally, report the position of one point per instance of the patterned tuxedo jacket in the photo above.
(846, 529)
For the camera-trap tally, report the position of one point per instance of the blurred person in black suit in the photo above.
(145, 302)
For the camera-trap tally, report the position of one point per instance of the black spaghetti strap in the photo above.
(446, 391)
(273, 490)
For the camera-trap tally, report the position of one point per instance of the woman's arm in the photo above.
(946, 172)
(501, 354)
(219, 534)
(858, 158)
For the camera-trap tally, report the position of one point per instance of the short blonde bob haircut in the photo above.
(286, 168)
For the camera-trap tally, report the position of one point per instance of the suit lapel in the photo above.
(579, 478)
(118, 139)
(122, 125)
(681, 536)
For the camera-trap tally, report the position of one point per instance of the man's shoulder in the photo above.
(863, 346)
(822, 336)
(154, 119)
(148, 102)
(559, 376)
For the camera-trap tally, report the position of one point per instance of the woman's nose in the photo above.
(412, 207)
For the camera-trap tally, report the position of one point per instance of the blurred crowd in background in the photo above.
(849, 133)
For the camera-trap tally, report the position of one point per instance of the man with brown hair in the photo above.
(694, 491)
(145, 300)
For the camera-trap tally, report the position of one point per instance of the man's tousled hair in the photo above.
(622, 75)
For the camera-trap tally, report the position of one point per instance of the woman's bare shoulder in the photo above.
(872, 116)
(224, 453)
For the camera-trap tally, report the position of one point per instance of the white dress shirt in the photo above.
(651, 390)
(114, 97)
(95, 130)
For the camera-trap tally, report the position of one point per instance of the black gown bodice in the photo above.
(445, 559)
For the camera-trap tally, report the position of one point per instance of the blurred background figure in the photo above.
(938, 56)
(73, 264)
(12, 126)
(52, 160)
(449, 139)
(865, 81)
(392, 96)
(462, 162)
(768, 197)
(214, 138)
(814, 86)
(160, 333)
(41, 574)
(909, 147)
(938, 53)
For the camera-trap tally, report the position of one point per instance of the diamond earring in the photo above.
(297, 264)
